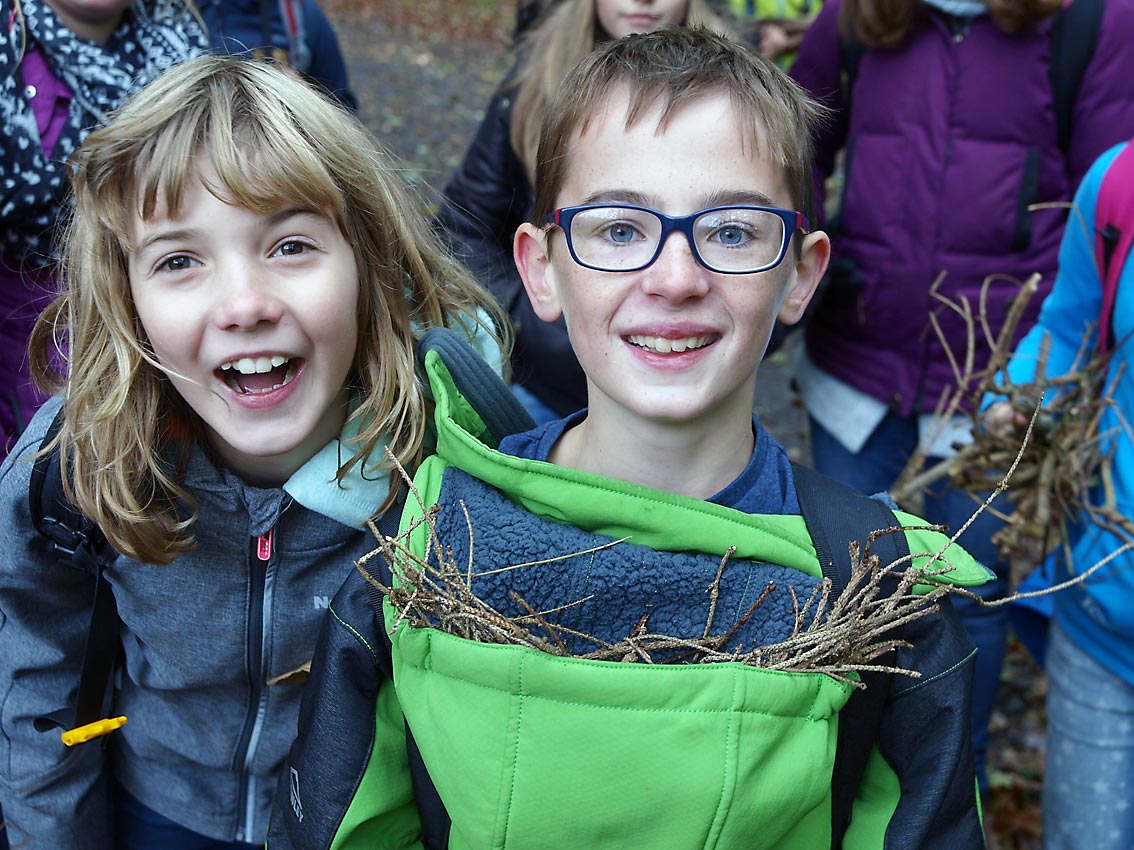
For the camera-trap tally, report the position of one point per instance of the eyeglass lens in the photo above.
(729, 240)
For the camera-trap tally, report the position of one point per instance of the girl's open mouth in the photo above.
(256, 375)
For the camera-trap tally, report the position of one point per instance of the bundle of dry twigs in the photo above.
(1062, 460)
(836, 636)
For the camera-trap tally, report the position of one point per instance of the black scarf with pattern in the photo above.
(33, 182)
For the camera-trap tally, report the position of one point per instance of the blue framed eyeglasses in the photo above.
(628, 238)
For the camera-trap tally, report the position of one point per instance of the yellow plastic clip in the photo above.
(82, 734)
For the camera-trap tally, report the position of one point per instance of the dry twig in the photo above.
(837, 636)
(1059, 458)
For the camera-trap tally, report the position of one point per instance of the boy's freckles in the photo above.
(674, 341)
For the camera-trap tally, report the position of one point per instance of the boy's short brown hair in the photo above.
(673, 66)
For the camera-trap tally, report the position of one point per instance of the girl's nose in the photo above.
(246, 300)
(676, 275)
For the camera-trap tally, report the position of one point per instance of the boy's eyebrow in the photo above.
(723, 198)
(617, 196)
(738, 197)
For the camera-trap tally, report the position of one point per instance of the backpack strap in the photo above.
(1074, 35)
(835, 515)
(299, 56)
(80, 544)
(1114, 234)
(499, 410)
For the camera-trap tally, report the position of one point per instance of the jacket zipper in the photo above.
(262, 583)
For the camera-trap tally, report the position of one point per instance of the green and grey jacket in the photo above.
(530, 750)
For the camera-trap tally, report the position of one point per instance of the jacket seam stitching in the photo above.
(941, 675)
(358, 636)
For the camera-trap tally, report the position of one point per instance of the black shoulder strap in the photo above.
(481, 387)
(835, 515)
(80, 544)
(1074, 35)
(851, 50)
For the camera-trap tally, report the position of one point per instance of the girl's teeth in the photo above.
(254, 366)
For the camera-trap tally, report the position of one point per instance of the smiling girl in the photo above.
(245, 294)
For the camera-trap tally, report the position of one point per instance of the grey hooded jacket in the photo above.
(203, 637)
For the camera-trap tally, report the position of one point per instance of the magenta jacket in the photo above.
(949, 140)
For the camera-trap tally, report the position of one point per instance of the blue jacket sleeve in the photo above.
(53, 797)
(1073, 306)
(925, 739)
(346, 780)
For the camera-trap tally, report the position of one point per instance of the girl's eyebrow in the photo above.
(181, 234)
(282, 215)
(166, 235)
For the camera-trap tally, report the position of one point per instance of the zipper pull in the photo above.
(264, 545)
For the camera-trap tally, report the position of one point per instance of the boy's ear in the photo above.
(530, 251)
(814, 254)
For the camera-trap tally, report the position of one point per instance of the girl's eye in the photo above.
(292, 248)
(177, 263)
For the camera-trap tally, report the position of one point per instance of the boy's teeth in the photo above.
(666, 346)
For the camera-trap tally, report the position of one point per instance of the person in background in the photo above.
(63, 65)
(779, 25)
(246, 282)
(294, 33)
(1089, 772)
(956, 161)
(490, 194)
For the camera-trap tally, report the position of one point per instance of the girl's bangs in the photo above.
(256, 166)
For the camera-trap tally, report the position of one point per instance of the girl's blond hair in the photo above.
(567, 33)
(273, 142)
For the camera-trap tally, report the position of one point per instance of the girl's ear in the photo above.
(530, 250)
(809, 270)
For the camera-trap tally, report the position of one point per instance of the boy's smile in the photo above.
(673, 343)
(254, 318)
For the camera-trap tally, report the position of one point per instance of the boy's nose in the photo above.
(676, 275)
(246, 300)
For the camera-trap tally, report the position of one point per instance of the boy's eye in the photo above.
(620, 232)
(732, 235)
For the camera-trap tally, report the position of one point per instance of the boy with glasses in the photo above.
(666, 232)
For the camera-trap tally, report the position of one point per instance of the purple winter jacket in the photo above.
(948, 140)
